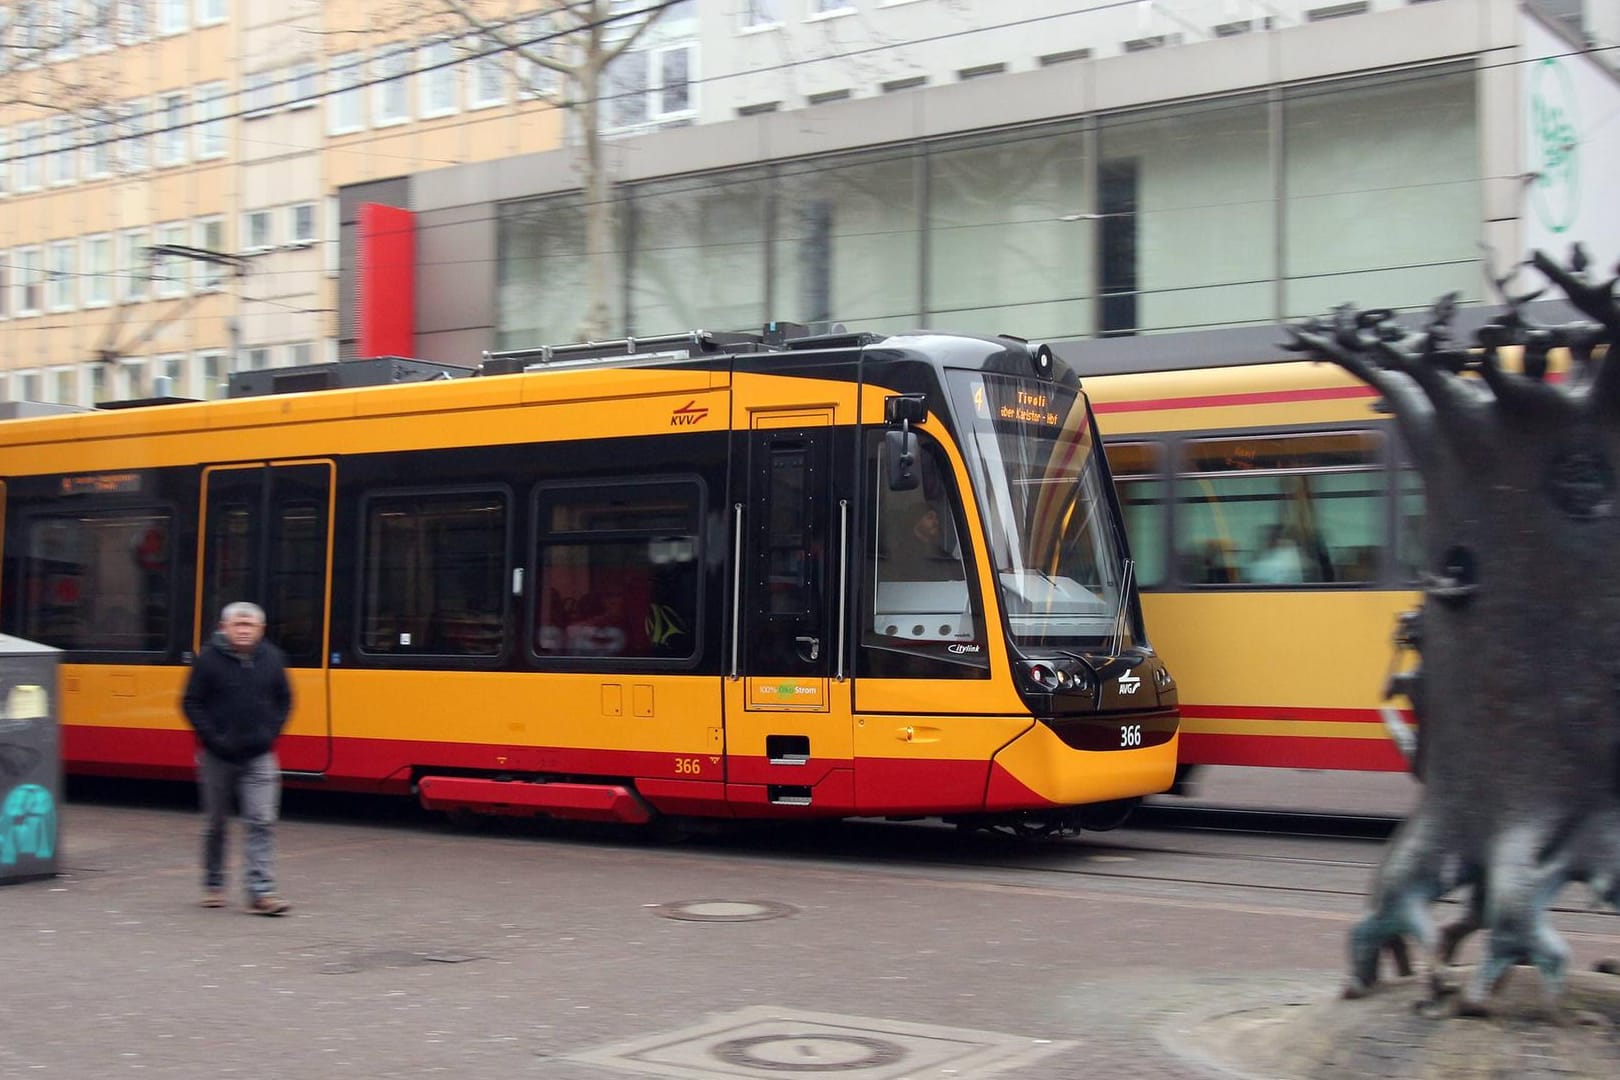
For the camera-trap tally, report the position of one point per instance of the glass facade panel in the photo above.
(699, 255)
(542, 294)
(1000, 256)
(848, 242)
(1384, 194)
(1187, 225)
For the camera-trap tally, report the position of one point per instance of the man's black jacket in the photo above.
(237, 704)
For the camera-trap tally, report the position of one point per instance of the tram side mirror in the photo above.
(900, 451)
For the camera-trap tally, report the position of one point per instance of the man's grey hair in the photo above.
(241, 609)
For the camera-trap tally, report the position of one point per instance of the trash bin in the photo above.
(30, 760)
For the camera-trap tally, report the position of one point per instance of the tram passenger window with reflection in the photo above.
(1281, 510)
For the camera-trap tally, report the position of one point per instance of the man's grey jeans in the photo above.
(256, 785)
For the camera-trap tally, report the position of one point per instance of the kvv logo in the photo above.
(1553, 146)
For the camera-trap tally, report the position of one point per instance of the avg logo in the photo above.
(688, 414)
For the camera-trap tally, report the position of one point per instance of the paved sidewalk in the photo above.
(414, 951)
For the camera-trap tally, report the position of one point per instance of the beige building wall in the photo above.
(85, 314)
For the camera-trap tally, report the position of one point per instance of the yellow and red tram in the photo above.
(1276, 528)
(708, 575)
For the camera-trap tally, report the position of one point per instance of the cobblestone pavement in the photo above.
(415, 951)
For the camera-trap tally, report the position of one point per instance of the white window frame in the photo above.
(304, 85)
(259, 94)
(133, 264)
(391, 69)
(212, 12)
(129, 379)
(22, 379)
(173, 111)
(100, 28)
(300, 353)
(656, 86)
(251, 219)
(98, 271)
(173, 17)
(201, 386)
(259, 358)
(134, 136)
(30, 155)
(7, 274)
(481, 68)
(5, 162)
(536, 80)
(210, 277)
(134, 21)
(63, 149)
(100, 145)
(213, 135)
(28, 272)
(173, 273)
(172, 365)
(439, 81)
(761, 15)
(301, 233)
(75, 387)
(347, 96)
(61, 275)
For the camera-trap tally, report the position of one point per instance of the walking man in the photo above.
(237, 700)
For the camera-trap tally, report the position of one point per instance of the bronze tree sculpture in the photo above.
(1519, 735)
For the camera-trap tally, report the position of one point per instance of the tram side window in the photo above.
(1281, 510)
(1140, 482)
(923, 612)
(434, 574)
(99, 581)
(618, 571)
(1409, 532)
(296, 606)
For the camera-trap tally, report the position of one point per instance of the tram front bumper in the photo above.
(1060, 764)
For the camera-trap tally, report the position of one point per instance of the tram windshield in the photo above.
(1056, 548)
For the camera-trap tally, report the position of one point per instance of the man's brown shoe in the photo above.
(212, 898)
(269, 904)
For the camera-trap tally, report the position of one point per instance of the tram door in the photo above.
(784, 729)
(267, 538)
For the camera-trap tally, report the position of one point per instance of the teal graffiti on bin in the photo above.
(27, 824)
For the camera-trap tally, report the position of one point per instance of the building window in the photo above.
(5, 287)
(30, 272)
(174, 16)
(301, 222)
(441, 87)
(488, 73)
(210, 12)
(211, 237)
(211, 102)
(434, 573)
(28, 387)
(301, 354)
(30, 147)
(98, 266)
(306, 85)
(258, 359)
(171, 271)
(129, 379)
(62, 281)
(64, 385)
(134, 266)
(536, 80)
(101, 23)
(134, 21)
(168, 375)
(5, 162)
(211, 376)
(172, 134)
(133, 124)
(259, 232)
(63, 147)
(101, 128)
(761, 13)
(346, 103)
(260, 93)
(391, 85)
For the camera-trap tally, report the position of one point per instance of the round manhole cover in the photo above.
(802, 1053)
(725, 910)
